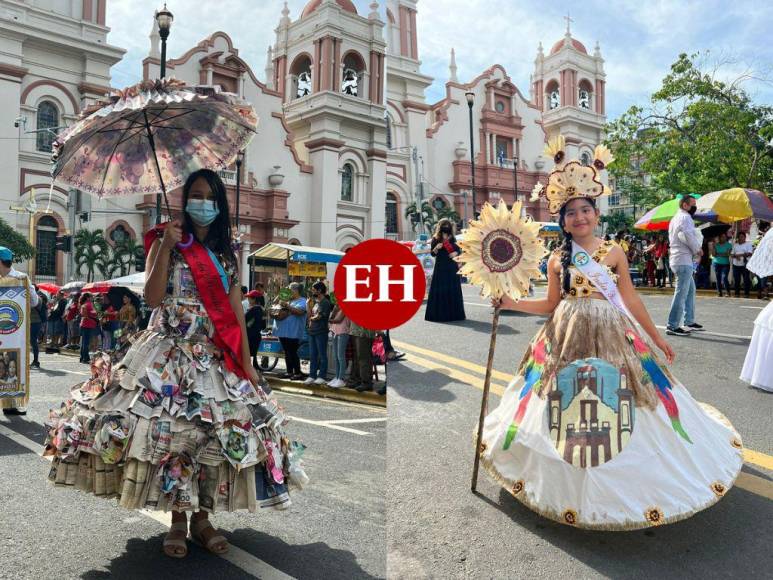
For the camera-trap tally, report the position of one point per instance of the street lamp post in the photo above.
(515, 177)
(470, 100)
(164, 19)
(239, 159)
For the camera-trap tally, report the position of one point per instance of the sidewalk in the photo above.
(325, 392)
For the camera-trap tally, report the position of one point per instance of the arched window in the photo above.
(553, 95)
(585, 158)
(45, 246)
(391, 213)
(119, 234)
(584, 100)
(585, 95)
(48, 118)
(439, 204)
(555, 99)
(347, 179)
(352, 76)
(301, 75)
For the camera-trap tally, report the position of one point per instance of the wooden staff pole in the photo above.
(484, 399)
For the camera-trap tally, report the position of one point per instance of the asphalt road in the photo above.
(438, 529)
(335, 528)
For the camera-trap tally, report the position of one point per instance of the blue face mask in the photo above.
(202, 211)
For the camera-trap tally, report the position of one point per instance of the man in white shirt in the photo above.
(684, 248)
(741, 252)
(8, 271)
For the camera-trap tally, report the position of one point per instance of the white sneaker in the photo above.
(335, 384)
(308, 381)
(320, 381)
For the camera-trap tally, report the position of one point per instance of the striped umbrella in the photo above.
(660, 216)
(735, 204)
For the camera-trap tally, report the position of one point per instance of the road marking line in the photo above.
(495, 374)
(325, 424)
(236, 556)
(454, 374)
(759, 459)
(752, 307)
(750, 456)
(347, 421)
(20, 439)
(713, 333)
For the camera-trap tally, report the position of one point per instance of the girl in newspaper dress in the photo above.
(594, 431)
(180, 420)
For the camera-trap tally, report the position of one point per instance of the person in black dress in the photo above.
(254, 322)
(445, 302)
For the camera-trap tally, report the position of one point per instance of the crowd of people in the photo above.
(316, 319)
(79, 321)
(720, 265)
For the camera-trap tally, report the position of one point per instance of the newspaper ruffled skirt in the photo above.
(594, 432)
(168, 427)
(758, 365)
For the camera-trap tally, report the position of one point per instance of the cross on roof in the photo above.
(569, 20)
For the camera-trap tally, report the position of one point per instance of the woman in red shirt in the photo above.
(88, 325)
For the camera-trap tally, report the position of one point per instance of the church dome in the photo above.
(579, 46)
(314, 4)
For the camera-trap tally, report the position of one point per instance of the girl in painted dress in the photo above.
(594, 431)
(181, 420)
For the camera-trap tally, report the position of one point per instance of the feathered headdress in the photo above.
(572, 179)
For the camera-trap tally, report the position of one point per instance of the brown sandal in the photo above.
(171, 545)
(211, 545)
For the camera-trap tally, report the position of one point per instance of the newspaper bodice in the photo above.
(182, 312)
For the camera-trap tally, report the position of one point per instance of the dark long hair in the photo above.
(219, 235)
(566, 246)
(437, 235)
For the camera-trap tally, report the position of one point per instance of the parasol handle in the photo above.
(155, 160)
(484, 398)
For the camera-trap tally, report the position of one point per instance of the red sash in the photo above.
(228, 333)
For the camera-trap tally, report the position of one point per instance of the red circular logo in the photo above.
(379, 284)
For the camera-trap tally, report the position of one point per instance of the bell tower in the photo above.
(568, 86)
(329, 67)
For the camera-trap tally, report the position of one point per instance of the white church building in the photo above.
(313, 175)
(429, 156)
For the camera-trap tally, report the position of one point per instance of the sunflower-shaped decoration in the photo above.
(571, 178)
(501, 251)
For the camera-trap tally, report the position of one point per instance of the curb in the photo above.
(342, 394)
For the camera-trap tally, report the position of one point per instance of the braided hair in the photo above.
(566, 247)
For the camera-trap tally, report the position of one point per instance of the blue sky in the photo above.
(639, 39)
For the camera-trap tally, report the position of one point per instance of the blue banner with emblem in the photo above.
(14, 342)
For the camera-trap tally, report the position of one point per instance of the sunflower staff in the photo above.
(500, 253)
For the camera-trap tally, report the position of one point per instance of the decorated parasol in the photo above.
(500, 253)
(150, 137)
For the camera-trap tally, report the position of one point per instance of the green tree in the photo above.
(91, 253)
(420, 215)
(698, 134)
(124, 254)
(14, 241)
(616, 221)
